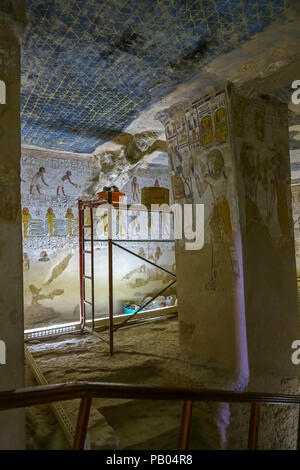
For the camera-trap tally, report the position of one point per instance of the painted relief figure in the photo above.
(35, 180)
(170, 130)
(104, 219)
(64, 179)
(219, 220)
(88, 224)
(193, 128)
(187, 173)
(175, 161)
(249, 173)
(50, 216)
(25, 216)
(26, 264)
(121, 224)
(178, 161)
(44, 257)
(182, 132)
(165, 225)
(142, 253)
(280, 182)
(216, 179)
(69, 215)
(178, 188)
(220, 125)
(135, 189)
(182, 181)
(268, 193)
(171, 161)
(133, 224)
(157, 255)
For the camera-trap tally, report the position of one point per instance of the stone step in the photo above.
(144, 424)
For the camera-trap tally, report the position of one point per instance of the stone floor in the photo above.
(147, 353)
(144, 354)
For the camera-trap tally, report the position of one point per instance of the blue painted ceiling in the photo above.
(90, 66)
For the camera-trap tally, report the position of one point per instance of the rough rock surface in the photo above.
(116, 162)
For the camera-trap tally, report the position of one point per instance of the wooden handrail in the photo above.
(30, 396)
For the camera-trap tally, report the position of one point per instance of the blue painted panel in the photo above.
(90, 66)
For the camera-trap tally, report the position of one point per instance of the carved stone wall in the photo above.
(237, 295)
(11, 288)
(52, 183)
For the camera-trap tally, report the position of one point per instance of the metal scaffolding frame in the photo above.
(91, 205)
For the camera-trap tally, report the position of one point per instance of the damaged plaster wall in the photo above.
(116, 161)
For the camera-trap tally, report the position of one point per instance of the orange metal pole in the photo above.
(92, 268)
(253, 428)
(110, 276)
(81, 261)
(82, 423)
(185, 425)
(298, 437)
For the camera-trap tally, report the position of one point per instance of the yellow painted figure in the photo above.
(88, 224)
(69, 215)
(50, 216)
(120, 224)
(104, 219)
(25, 216)
(206, 130)
(220, 125)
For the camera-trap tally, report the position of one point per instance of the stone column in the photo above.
(12, 20)
(238, 311)
(259, 129)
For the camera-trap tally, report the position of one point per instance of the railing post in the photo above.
(81, 261)
(110, 276)
(82, 423)
(298, 436)
(185, 425)
(253, 427)
(92, 268)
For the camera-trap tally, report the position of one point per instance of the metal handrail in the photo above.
(30, 396)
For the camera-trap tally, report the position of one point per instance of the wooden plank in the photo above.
(58, 410)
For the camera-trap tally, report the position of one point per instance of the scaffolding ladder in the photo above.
(90, 205)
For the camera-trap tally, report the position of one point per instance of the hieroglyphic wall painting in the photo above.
(50, 190)
(239, 170)
(51, 187)
(201, 171)
(296, 223)
(263, 167)
(193, 125)
(220, 120)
